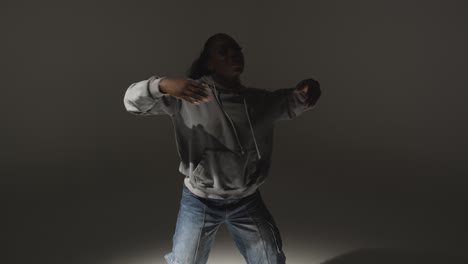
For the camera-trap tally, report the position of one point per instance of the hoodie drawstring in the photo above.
(248, 117)
(251, 129)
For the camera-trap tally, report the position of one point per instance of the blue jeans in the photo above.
(248, 221)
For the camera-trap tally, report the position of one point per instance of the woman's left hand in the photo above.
(310, 87)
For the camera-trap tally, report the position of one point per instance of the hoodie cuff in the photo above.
(154, 85)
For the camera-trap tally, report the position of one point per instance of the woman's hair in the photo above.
(199, 66)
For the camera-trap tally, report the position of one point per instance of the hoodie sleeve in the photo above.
(139, 101)
(285, 104)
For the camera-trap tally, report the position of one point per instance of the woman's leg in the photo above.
(255, 232)
(195, 232)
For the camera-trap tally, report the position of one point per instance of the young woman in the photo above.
(224, 137)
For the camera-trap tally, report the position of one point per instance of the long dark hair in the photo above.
(199, 66)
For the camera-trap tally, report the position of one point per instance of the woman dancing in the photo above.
(224, 137)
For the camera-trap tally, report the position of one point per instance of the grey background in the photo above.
(381, 162)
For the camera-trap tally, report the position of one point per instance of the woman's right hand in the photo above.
(187, 89)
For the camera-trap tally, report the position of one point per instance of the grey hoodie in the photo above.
(215, 163)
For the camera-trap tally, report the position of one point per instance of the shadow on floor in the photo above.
(394, 256)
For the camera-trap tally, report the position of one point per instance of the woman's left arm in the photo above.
(288, 103)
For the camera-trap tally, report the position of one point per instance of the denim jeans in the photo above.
(248, 221)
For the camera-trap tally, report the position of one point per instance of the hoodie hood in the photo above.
(208, 79)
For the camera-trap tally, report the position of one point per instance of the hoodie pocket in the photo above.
(224, 169)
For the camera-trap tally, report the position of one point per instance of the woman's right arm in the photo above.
(157, 97)
(146, 98)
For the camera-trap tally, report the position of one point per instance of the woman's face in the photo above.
(226, 58)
